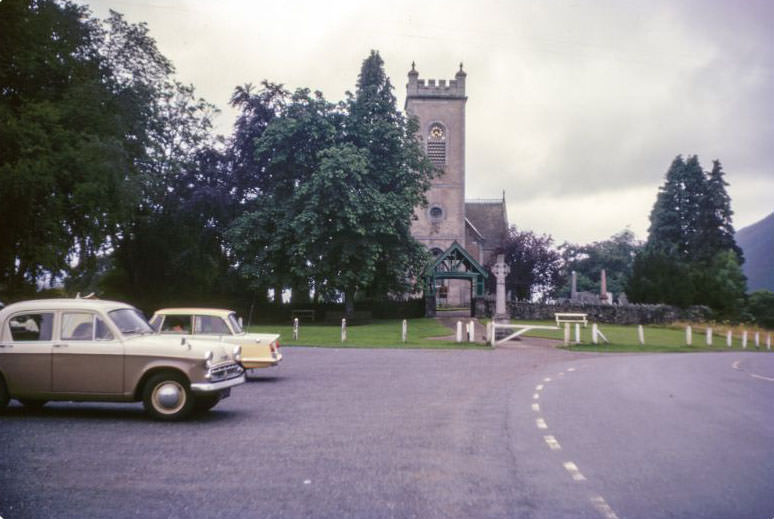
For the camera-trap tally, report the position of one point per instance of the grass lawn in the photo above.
(378, 334)
(658, 338)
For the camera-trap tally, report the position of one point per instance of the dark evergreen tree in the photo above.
(535, 265)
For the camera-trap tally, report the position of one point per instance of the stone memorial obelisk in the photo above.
(574, 286)
(603, 287)
(501, 271)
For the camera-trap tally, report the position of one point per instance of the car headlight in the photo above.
(208, 358)
(238, 353)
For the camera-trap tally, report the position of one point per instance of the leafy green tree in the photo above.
(615, 255)
(761, 306)
(658, 277)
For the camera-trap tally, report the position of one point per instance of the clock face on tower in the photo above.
(437, 132)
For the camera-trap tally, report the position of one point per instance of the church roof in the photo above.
(489, 218)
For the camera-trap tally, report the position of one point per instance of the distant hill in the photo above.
(757, 242)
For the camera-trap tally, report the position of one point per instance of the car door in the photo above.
(25, 352)
(87, 356)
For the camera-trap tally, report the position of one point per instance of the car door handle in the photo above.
(6, 345)
(60, 345)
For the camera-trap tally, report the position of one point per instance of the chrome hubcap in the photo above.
(169, 397)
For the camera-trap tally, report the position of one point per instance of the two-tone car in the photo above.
(97, 350)
(259, 350)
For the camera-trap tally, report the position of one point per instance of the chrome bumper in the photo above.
(209, 387)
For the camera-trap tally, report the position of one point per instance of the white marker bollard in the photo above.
(295, 329)
(471, 332)
(757, 340)
(593, 333)
(343, 330)
(768, 342)
(459, 331)
(709, 336)
(641, 334)
(577, 333)
(744, 340)
(404, 332)
(566, 334)
(729, 338)
(490, 333)
(688, 335)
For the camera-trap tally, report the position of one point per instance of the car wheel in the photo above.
(203, 404)
(32, 403)
(167, 396)
(4, 397)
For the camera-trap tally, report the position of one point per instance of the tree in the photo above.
(761, 306)
(535, 265)
(615, 255)
(333, 191)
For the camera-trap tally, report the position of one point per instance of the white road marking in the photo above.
(541, 424)
(735, 365)
(552, 443)
(572, 468)
(547, 379)
(603, 508)
(307, 482)
(570, 369)
(762, 377)
(536, 407)
(561, 373)
(535, 396)
(539, 387)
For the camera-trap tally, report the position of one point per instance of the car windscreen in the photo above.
(235, 324)
(130, 321)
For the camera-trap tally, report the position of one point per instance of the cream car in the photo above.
(94, 350)
(259, 350)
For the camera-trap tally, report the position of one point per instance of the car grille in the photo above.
(225, 371)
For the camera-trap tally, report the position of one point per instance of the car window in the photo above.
(176, 324)
(77, 326)
(155, 322)
(32, 326)
(102, 332)
(210, 325)
(130, 321)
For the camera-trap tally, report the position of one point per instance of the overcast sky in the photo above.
(575, 108)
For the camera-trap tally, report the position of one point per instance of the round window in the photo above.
(436, 213)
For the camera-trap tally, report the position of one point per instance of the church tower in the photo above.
(440, 108)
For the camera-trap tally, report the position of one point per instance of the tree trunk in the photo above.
(349, 303)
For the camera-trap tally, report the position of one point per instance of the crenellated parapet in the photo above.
(453, 88)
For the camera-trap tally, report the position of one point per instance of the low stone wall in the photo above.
(611, 314)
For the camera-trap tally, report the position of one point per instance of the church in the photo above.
(463, 235)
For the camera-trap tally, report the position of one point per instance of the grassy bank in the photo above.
(422, 333)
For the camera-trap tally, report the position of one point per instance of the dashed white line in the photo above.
(552, 443)
(541, 424)
(536, 407)
(547, 379)
(539, 387)
(603, 508)
(735, 365)
(570, 369)
(535, 396)
(572, 468)
(762, 377)
(561, 373)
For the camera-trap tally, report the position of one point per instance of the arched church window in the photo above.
(436, 144)
(435, 251)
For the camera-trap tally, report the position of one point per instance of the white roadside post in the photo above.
(566, 334)
(688, 335)
(471, 332)
(491, 333)
(757, 340)
(459, 331)
(641, 334)
(343, 330)
(768, 342)
(577, 333)
(295, 329)
(593, 333)
(729, 338)
(404, 332)
(709, 336)
(744, 339)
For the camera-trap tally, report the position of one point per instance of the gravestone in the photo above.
(501, 271)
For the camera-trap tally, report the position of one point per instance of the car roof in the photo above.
(63, 304)
(220, 312)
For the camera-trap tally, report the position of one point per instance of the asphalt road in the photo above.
(426, 434)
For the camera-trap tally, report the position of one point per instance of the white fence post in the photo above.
(343, 330)
(459, 331)
(688, 335)
(577, 333)
(295, 329)
(768, 342)
(641, 334)
(471, 331)
(709, 336)
(729, 338)
(593, 333)
(404, 331)
(757, 340)
(566, 334)
(744, 339)
(491, 333)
